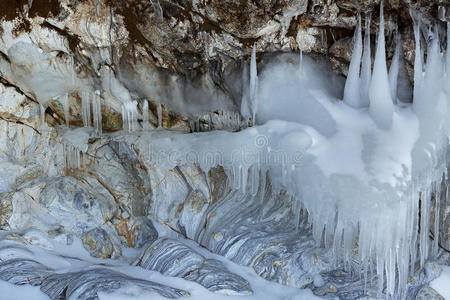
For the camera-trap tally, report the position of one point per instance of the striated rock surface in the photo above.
(172, 258)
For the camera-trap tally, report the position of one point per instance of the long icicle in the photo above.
(418, 68)
(145, 115)
(253, 84)
(366, 68)
(351, 90)
(381, 107)
(97, 112)
(394, 69)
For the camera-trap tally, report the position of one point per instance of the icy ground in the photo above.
(65, 258)
(442, 283)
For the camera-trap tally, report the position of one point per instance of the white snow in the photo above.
(68, 258)
(442, 283)
(20, 292)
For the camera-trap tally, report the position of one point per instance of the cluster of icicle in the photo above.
(225, 120)
(389, 244)
(392, 256)
(374, 89)
(249, 103)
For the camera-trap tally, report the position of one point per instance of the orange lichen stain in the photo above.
(129, 234)
(316, 258)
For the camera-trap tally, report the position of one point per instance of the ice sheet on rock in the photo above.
(46, 75)
(280, 91)
(396, 153)
(20, 292)
(172, 258)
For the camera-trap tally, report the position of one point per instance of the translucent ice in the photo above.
(381, 106)
(394, 70)
(366, 68)
(352, 84)
(253, 85)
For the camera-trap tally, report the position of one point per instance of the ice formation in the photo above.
(366, 194)
(159, 111)
(300, 48)
(359, 173)
(366, 66)
(253, 85)
(129, 115)
(97, 113)
(394, 70)
(352, 85)
(381, 106)
(145, 118)
(86, 108)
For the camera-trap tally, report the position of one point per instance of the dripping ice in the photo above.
(365, 194)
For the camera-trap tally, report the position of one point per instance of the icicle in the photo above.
(86, 108)
(72, 69)
(245, 105)
(394, 69)
(351, 90)
(145, 118)
(97, 113)
(431, 86)
(447, 54)
(418, 68)
(437, 197)
(129, 116)
(253, 85)
(381, 107)
(300, 64)
(366, 68)
(65, 103)
(42, 111)
(424, 226)
(159, 111)
(210, 122)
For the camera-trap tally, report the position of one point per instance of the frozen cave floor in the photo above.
(196, 236)
(38, 267)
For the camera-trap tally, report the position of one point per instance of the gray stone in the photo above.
(22, 271)
(86, 285)
(97, 242)
(173, 258)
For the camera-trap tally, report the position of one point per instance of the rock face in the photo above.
(179, 52)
